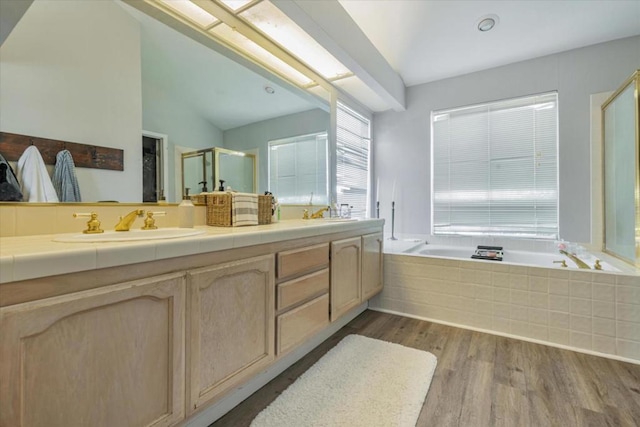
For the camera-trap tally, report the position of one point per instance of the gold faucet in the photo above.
(93, 225)
(126, 221)
(578, 261)
(319, 213)
(150, 221)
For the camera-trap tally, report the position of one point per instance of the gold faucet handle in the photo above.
(93, 225)
(305, 214)
(150, 221)
(597, 265)
(562, 263)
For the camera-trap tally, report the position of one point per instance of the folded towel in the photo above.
(34, 179)
(64, 178)
(244, 209)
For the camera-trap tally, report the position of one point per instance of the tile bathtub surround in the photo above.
(593, 311)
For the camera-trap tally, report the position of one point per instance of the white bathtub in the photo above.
(517, 257)
(525, 296)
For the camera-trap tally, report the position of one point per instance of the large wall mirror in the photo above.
(105, 73)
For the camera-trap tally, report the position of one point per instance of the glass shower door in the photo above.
(621, 172)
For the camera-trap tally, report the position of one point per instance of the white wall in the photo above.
(70, 70)
(401, 140)
(257, 135)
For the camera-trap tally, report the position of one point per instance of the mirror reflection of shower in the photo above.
(197, 171)
(237, 169)
(202, 169)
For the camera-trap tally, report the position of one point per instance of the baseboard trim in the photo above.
(230, 401)
(503, 334)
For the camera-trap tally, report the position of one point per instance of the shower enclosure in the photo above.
(621, 162)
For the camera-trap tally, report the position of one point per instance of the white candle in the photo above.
(378, 190)
(393, 192)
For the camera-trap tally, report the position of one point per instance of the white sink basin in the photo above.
(127, 236)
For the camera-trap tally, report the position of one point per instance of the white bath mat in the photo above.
(360, 382)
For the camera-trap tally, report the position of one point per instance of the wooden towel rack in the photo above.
(12, 145)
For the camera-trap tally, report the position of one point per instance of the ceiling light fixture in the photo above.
(258, 30)
(269, 90)
(487, 22)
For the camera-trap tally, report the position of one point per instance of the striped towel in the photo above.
(244, 209)
(64, 178)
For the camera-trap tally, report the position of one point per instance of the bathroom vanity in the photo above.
(94, 336)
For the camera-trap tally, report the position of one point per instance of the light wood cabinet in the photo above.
(114, 347)
(345, 275)
(372, 262)
(112, 356)
(293, 292)
(298, 261)
(231, 326)
(302, 322)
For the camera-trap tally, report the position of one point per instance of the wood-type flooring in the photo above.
(486, 380)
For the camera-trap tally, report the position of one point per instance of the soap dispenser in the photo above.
(185, 212)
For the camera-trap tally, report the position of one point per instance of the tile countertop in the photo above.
(30, 257)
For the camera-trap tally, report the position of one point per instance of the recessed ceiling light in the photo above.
(487, 22)
(269, 90)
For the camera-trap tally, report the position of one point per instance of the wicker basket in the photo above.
(199, 199)
(264, 209)
(219, 209)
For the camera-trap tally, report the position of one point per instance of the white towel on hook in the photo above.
(34, 179)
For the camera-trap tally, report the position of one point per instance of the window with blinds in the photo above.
(495, 168)
(298, 167)
(352, 160)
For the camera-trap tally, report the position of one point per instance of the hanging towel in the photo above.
(9, 187)
(244, 209)
(64, 178)
(11, 176)
(34, 179)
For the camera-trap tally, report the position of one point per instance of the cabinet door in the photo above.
(345, 276)
(231, 323)
(112, 356)
(371, 265)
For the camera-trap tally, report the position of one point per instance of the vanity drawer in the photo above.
(299, 261)
(294, 291)
(296, 325)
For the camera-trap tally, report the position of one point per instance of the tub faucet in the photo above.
(578, 261)
(126, 221)
(319, 213)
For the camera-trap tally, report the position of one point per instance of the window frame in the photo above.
(357, 115)
(293, 140)
(491, 230)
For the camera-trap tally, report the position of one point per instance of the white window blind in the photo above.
(298, 167)
(352, 160)
(495, 168)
